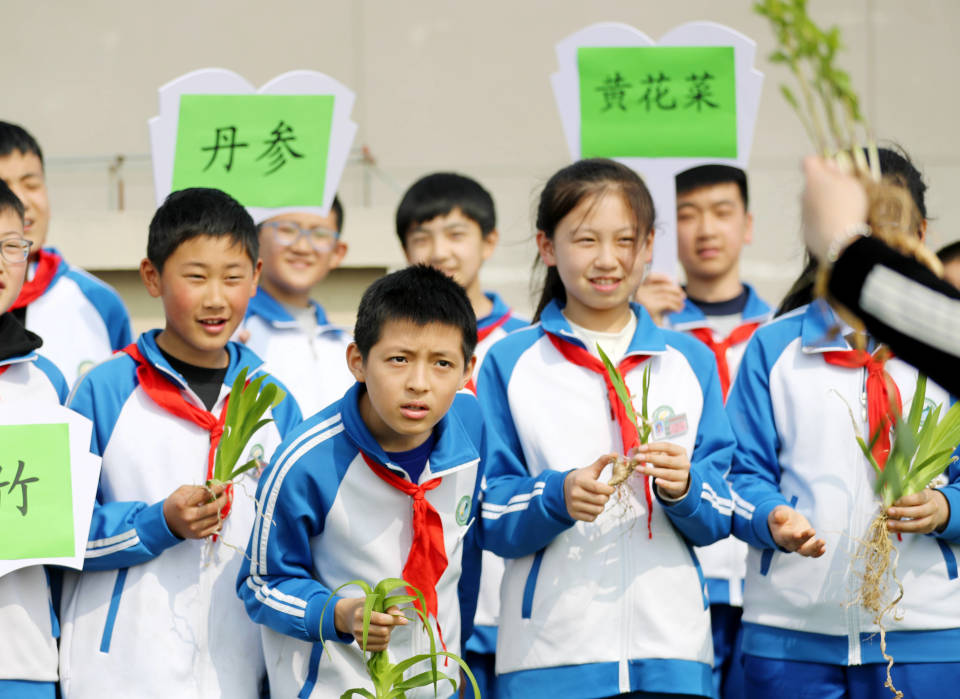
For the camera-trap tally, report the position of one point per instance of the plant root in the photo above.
(878, 557)
(623, 468)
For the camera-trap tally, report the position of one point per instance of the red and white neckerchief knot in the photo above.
(162, 391)
(618, 412)
(741, 333)
(883, 396)
(427, 559)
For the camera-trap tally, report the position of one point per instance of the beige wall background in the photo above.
(441, 84)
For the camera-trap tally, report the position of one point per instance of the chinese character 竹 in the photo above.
(17, 481)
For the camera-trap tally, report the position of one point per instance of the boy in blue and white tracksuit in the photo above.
(151, 610)
(28, 621)
(583, 611)
(791, 412)
(340, 500)
(495, 325)
(311, 363)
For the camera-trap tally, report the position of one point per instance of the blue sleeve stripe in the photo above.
(722, 505)
(518, 503)
(285, 604)
(268, 498)
(95, 549)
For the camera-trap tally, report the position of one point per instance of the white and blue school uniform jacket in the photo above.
(724, 562)
(314, 366)
(151, 614)
(791, 413)
(81, 319)
(484, 638)
(596, 609)
(28, 622)
(327, 518)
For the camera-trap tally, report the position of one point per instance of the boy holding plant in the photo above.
(382, 483)
(154, 606)
(29, 667)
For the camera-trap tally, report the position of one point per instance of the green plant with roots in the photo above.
(387, 677)
(921, 450)
(245, 409)
(623, 468)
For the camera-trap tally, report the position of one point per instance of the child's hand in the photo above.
(189, 512)
(660, 294)
(792, 531)
(583, 494)
(667, 464)
(920, 513)
(348, 618)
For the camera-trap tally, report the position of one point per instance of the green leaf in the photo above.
(619, 386)
(916, 405)
(240, 470)
(357, 692)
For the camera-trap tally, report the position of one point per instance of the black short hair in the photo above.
(707, 175)
(198, 211)
(14, 137)
(10, 201)
(421, 295)
(950, 252)
(439, 194)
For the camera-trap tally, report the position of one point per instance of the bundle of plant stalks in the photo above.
(921, 450)
(387, 677)
(624, 467)
(245, 408)
(830, 112)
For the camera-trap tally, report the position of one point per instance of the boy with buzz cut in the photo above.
(289, 329)
(448, 221)
(154, 611)
(27, 627)
(719, 309)
(81, 319)
(382, 483)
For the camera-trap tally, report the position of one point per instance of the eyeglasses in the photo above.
(287, 233)
(15, 250)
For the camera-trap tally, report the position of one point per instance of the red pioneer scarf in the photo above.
(47, 265)
(740, 334)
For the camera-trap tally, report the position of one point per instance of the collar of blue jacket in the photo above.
(271, 310)
(240, 357)
(647, 338)
(755, 310)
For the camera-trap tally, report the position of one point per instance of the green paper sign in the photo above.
(658, 102)
(36, 494)
(264, 150)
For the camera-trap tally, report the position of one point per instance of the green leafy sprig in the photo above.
(388, 680)
(643, 425)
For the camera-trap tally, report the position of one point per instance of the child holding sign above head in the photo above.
(602, 593)
(28, 624)
(381, 484)
(155, 607)
(448, 221)
(81, 319)
(722, 311)
(288, 328)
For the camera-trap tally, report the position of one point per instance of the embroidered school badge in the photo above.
(666, 425)
(463, 510)
(256, 453)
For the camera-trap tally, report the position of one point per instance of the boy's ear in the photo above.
(151, 278)
(257, 269)
(355, 362)
(337, 254)
(490, 241)
(468, 371)
(748, 228)
(546, 249)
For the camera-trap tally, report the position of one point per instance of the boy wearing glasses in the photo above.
(27, 624)
(288, 329)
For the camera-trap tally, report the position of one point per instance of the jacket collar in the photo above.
(816, 330)
(265, 306)
(647, 338)
(453, 450)
(691, 317)
(499, 310)
(240, 356)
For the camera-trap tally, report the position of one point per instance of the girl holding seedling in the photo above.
(602, 593)
(866, 588)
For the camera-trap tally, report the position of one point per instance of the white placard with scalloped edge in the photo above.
(658, 173)
(218, 81)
